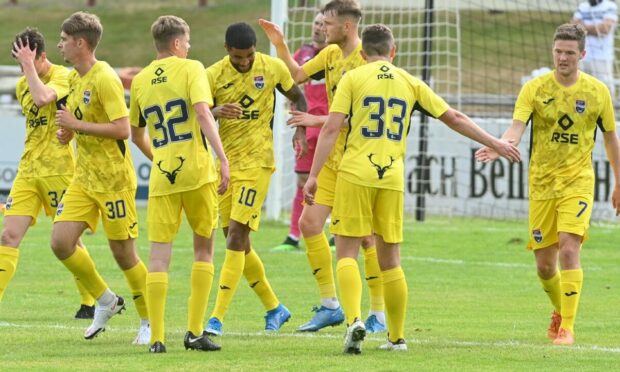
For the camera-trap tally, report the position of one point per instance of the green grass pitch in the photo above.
(474, 304)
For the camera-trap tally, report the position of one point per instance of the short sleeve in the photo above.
(211, 74)
(284, 78)
(199, 90)
(524, 107)
(316, 66)
(135, 112)
(607, 120)
(112, 97)
(428, 101)
(59, 82)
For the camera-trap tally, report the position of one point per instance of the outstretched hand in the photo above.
(303, 119)
(273, 31)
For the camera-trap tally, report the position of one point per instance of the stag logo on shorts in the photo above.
(537, 234)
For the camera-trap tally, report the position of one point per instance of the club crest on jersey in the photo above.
(9, 203)
(86, 97)
(259, 82)
(537, 234)
(580, 106)
(61, 206)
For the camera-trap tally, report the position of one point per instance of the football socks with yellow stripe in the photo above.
(372, 273)
(395, 294)
(350, 286)
(8, 264)
(85, 297)
(83, 267)
(136, 279)
(551, 286)
(201, 283)
(570, 284)
(232, 269)
(320, 258)
(156, 291)
(254, 273)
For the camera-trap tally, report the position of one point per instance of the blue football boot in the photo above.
(274, 319)
(322, 318)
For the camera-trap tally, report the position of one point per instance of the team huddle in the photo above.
(208, 133)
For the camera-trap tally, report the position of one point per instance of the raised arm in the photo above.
(41, 93)
(462, 124)
(276, 37)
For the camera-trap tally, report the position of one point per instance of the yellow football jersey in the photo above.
(380, 98)
(102, 164)
(43, 154)
(248, 140)
(163, 96)
(331, 64)
(563, 123)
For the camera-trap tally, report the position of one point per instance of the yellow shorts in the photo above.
(326, 187)
(244, 198)
(29, 194)
(200, 206)
(361, 210)
(117, 209)
(547, 218)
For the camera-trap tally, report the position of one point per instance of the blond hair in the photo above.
(166, 28)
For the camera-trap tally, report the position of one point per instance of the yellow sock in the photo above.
(229, 280)
(83, 267)
(350, 286)
(570, 285)
(395, 292)
(552, 288)
(320, 258)
(8, 264)
(373, 279)
(202, 280)
(136, 279)
(85, 297)
(254, 273)
(156, 291)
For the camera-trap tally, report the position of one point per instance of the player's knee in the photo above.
(546, 270)
(309, 226)
(60, 245)
(10, 238)
(368, 241)
(238, 237)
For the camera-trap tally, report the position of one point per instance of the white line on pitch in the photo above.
(496, 344)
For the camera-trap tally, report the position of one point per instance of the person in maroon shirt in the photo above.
(316, 98)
